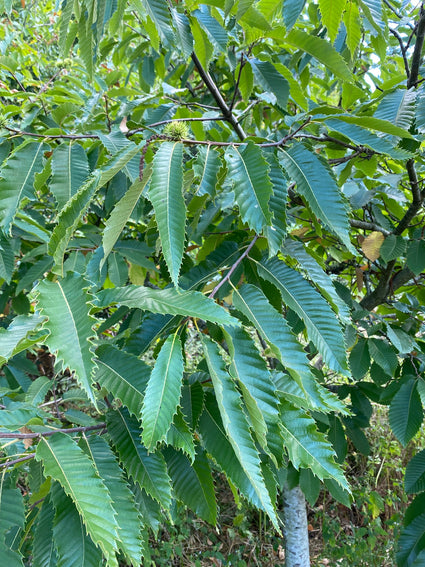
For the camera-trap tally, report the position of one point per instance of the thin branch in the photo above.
(403, 50)
(392, 9)
(369, 226)
(235, 93)
(10, 435)
(50, 136)
(212, 87)
(417, 52)
(233, 268)
(8, 464)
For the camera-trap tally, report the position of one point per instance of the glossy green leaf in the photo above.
(17, 179)
(73, 545)
(398, 107)
(70, 169)
(316, 183)
(414, 479)
(415, 256)
(291, 11)
(162, 392)
(44, 551)
(307, 447)
(406, 413)
(67, 304)
(206, 168)
(66, 463)
(248, 170)
(7, 258)
(168, 301)
(269, 79)
(127, 515)
(193, 483)
(236, 426)
(147, 469)
(322, 326)
(122, 374)
(331, 12)
(165, 193)
(180, 436)
(321, 50)
(18, 335)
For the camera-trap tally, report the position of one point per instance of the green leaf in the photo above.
(165, 193)
(416, 256)
(414, 479)
(411, 544)
(374, 124)
(70, 169)
(398, 107)
(127, 515)
(406, 413)
(320, 50)
(316, 183)
(7, 258)
(269, 78)
(44, 551)
(307, 447)
(180, 436)
(322, 326)
(277, 203)
(85, 39)
(291, 12)
(215, 31)
(236, 426)
(68, 220)
(12, 521)
(17, 337)
(318, 276)
(74, 547)
(168, 301)
(37, 391)
(393, 247)
(183, 33)
(206, 168)
(353, 26)
(122, 374)
(162, 393)
(124, 151)
(66, 463)
(193, 483)
(147, 469)
(159, 12)
(384, 355)
(34, 273)
(17, 179)
(67, 304)
(360, 359)
(248, 170)
(331, 12)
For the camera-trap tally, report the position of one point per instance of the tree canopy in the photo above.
(211, 258)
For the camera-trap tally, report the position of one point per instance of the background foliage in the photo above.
(245, 177)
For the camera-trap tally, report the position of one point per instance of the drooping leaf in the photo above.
(66, 304)
(121, 148)
(352, 25)
(44, 551)
(7, 258)
(180, 436)
(73, 545)
(414, 479)
(269, 78)
(122, 374)
(66, 463)
(236, 426)
(277, 203)
(162, 393)
(322, 326)
(122, 213)
(159, 12)
(398, 107)
(317, 184)
(411, 544)
(307, 447)
(249, 173)
(17, 336)
(127, 515)
(406, 413)
(147, 469)
(206, 168)
(321, 50)
(193, 483)
(183, 33)
(331, 12)
(291, 11)
(165, 193)
(216, 33)
(69, 171)
(168, 301)
(17, 179)
(415, 256)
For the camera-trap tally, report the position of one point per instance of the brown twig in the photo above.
(11, 435)
(8, 464)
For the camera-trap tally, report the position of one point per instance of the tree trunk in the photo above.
(296, 528)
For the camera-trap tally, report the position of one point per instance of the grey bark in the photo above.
(297, 551)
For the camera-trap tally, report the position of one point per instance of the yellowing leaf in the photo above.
(371, 245)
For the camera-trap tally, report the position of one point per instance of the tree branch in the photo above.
(212, 87)
(8, 464)
(10, 435)
(369, 226)
(417, 52)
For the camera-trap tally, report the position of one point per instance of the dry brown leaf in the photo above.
(359, 278)
(371, 245)
(27, 442)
